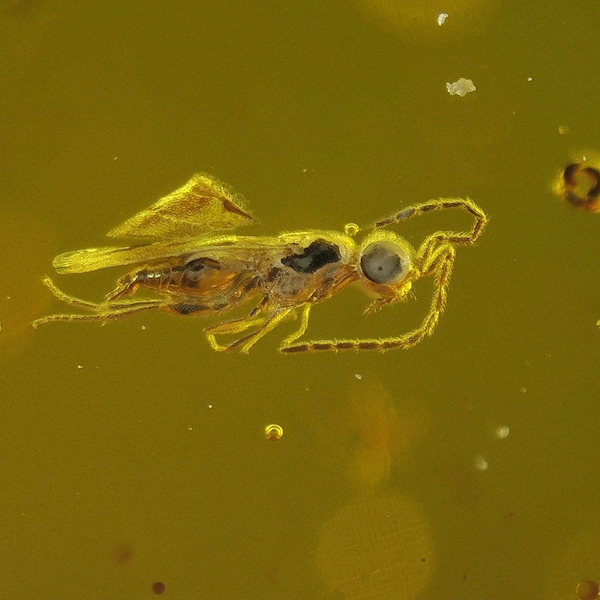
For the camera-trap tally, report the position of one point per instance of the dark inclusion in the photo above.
(315, 256)
(576, 189)
(187, 309)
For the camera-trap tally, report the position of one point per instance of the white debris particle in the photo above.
(481, 464)
(442, 18)
(502, 432)
(461, 87)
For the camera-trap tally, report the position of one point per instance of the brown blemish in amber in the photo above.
(158, 587)
(588, 590)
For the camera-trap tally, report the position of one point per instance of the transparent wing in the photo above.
(202, 205)
(94, 259)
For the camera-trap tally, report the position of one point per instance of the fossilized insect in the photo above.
(199, 268)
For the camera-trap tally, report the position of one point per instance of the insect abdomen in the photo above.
(184, 277)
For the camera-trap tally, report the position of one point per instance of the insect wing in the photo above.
(94, 259)
(204, 204)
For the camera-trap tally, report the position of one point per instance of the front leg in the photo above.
(439, 264)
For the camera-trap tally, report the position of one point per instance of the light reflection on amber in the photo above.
(379, 433)
(376, 547)
(379, 544)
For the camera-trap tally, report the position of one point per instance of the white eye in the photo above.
(384, 262)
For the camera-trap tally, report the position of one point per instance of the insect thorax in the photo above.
(307, 273)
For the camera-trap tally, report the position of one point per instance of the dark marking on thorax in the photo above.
(314, 257)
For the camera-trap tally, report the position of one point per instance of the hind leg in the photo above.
(100, 311)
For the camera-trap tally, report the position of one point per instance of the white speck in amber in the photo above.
(461, 88)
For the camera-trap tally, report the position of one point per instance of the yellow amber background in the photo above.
(133, 454)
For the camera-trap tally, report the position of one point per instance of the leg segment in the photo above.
(439, 264)
(102, 311)
(290, 339)
(263, 323)
(481, 219)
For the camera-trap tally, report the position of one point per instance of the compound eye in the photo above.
(384, 262)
